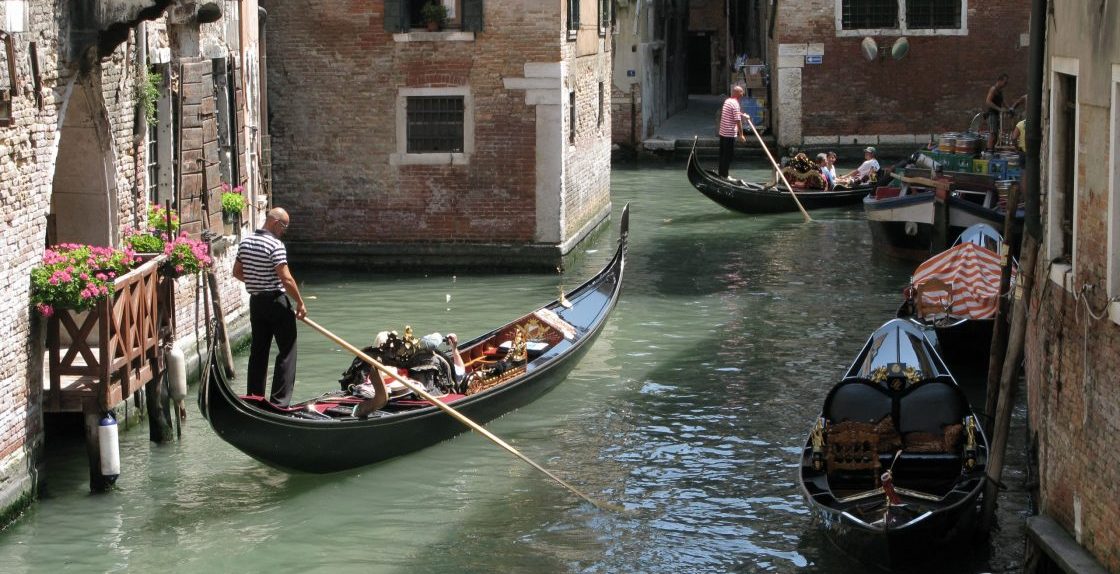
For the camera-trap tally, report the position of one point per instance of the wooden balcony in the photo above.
(98, 358)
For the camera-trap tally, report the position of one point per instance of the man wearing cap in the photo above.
(866, 170)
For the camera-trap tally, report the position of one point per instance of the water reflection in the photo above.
(689, 410)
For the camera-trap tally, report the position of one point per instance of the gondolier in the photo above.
(262, 264)
(730, 128)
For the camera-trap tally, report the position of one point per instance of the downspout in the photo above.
(262, 70)
(1032, 172)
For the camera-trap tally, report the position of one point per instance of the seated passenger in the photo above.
(822, 164)
(865, 173)
(802, 173)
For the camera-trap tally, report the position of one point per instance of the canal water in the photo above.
(689, 411)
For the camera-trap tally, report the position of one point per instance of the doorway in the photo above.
(83, 204)
(699, 59)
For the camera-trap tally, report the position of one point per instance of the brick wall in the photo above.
(335, 76)
(937, 87)
(1072, 359)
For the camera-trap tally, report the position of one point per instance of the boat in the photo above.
(506, 368)
(894, 466)
(956, 293)
(756, 198)
(903, 218)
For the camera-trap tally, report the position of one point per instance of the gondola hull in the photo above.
(902, 227)
(289, 442)
(752, 198)
(895, 465)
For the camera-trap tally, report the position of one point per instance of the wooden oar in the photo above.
(454, 413)
(779, 170)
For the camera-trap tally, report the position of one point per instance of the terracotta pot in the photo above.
(433, 26)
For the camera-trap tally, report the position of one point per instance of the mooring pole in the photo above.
(998, 349)
(1009, 379)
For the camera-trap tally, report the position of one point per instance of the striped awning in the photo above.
(959, 283)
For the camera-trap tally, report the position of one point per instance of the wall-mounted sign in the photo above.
(817, 59)
(631, 73)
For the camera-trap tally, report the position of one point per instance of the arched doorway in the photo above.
(83, 191)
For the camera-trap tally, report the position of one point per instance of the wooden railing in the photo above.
(100, 357)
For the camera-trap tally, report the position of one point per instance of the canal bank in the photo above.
(689, 411)
(673, 140)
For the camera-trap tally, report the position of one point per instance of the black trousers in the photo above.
(271, 317)
(726, 152)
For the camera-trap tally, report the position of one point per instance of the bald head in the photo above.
(277, 221)
(737, 91)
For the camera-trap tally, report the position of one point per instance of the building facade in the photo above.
(80, 162)
(1073, 335)
(485, 143)
(929, 70)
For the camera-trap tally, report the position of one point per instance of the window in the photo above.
(416, 16)
(931, 14)
(602, 102)
(911, 17)
(1061, 184)
(605, 16)
(869, 14)
(405, 15)
(573, 18)
(151, 160)
(572, 117)
(435, 124)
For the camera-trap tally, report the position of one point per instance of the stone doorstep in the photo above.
(1070, 556)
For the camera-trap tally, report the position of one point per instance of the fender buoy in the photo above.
(177, 373)
(109, 446)
(911, 228)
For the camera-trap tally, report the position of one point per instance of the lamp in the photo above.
(900, 48)
(869, 48)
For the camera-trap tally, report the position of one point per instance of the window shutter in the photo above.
(472, 15)
(395, 15)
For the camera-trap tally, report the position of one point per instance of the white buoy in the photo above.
(109, 447)
(177, 373)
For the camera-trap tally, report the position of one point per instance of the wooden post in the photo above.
(1000, 326)
(940, 235)
(160, 427)
(91, 414)
(1008, 381)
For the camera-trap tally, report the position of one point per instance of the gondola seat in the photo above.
(860, 427)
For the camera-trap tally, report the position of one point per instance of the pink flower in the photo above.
(44, 309)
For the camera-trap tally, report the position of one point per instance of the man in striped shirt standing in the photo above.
(730, 129)
(262, 264)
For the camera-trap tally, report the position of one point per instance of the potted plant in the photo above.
(434, 14)
(185, 256)
(147, 243)
(75, 276)
(233, 203)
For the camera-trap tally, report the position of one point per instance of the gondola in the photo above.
(755, 198)
(894, 465)
(506, 368)
(956, 293)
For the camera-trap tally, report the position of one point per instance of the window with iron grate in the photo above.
(860, 14)
(435, 124)
(933, 14)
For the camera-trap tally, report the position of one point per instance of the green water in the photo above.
(689, 411)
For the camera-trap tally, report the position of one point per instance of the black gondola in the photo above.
(895, 463)
(323, 435)
(754, 198)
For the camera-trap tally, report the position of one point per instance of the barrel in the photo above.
(966, 144)
(947, 142)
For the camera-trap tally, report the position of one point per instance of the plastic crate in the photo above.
(998, 168)
(979, 166)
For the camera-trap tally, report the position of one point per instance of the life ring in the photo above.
(911, 228)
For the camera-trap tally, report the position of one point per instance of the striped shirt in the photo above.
(729, 118)
(260, 254)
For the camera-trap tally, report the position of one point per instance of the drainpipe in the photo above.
(262, 69)
(1032, 171)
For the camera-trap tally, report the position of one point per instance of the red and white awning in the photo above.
(959, 283)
